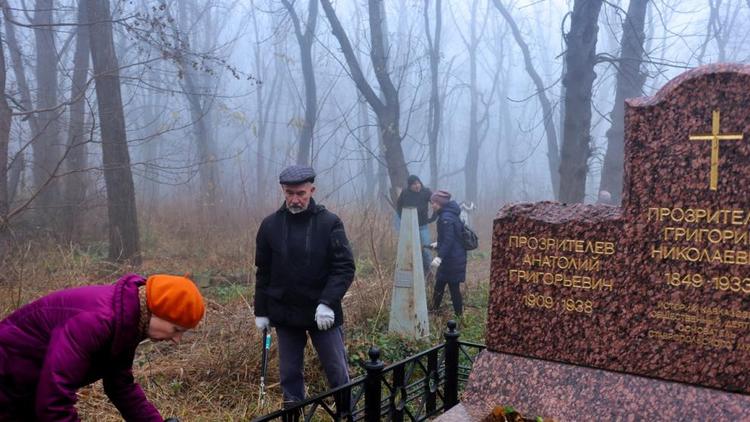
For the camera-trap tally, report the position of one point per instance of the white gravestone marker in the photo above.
(409, 300)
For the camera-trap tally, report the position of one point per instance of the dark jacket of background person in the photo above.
(69, 339)
(451, 251)
(303, 260)
(419, 200)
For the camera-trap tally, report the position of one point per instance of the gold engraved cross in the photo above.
(714, 137)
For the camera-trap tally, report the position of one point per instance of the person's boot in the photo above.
(291, 416)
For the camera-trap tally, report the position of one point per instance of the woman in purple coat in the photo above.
(51, 347)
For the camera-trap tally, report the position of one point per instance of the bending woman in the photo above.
(55, 345)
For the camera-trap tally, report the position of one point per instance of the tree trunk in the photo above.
(629, 83)
(367, 149)
(19, 161)
(260, 126)
(15, 169)
(46, 147)
(150, 152)
(434, 116)
(200, 108)
(471, 163)
(5, 122)
(118, 179)
(580, 58)
(305, 39)
(381, 27)
(267, 104)
(553, 155)
(16, 56)
(199, 116)
(75, 183)
(713, 17)
(504, 121)
(387, 110)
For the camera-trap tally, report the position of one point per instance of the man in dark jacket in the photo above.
(417, 196)
(451, 259)
(304, 268)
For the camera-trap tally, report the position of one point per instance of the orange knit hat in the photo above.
(175, 299)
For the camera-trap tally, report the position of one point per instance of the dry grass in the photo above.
(214, 373)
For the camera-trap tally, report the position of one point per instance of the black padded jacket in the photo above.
(302, 260)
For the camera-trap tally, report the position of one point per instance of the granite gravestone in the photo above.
(643, 311)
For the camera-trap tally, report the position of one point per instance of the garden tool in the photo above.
(264, 366)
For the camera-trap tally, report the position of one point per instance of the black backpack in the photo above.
(469, 239)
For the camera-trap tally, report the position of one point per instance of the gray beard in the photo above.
(295, 210)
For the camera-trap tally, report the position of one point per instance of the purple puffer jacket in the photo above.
(69, 339)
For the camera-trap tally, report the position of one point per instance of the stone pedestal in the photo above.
(574, 393)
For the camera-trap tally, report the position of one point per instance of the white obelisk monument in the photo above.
(409, 300)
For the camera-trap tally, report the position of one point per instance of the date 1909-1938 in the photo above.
(565, 304)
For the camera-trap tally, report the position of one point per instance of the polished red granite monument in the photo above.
(639, 311)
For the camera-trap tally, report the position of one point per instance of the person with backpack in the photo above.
(451, 253)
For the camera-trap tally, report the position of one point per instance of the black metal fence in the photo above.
(414, 389)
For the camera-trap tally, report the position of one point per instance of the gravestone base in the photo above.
(574, 393)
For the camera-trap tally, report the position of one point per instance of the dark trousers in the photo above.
(331, 352)
(455, 289)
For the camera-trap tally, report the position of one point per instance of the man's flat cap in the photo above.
(296, 174)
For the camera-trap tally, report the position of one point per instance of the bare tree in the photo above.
(14, 49)
(75, 183)
(387, 110)
(471, 164)
(629, 84)
(435, 111)
(47, 151)
(580, 58)
(720, 28)
(305, 39)
(504, 134)
(553, 155)
(199, 102)
(152, 124)
(368, 144)
(267, 104)
(5, 122)
(19, 70)
(118, 179)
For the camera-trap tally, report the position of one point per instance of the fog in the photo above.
(214, 98)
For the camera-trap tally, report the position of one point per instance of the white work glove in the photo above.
(324, 317)
(436, 262)
(433, 245)
(262, 322)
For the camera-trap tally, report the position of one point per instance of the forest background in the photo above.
(147, 136)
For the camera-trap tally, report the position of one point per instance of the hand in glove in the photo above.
(324, 317)
(436, 262)
(433, 245)
(262, 322)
